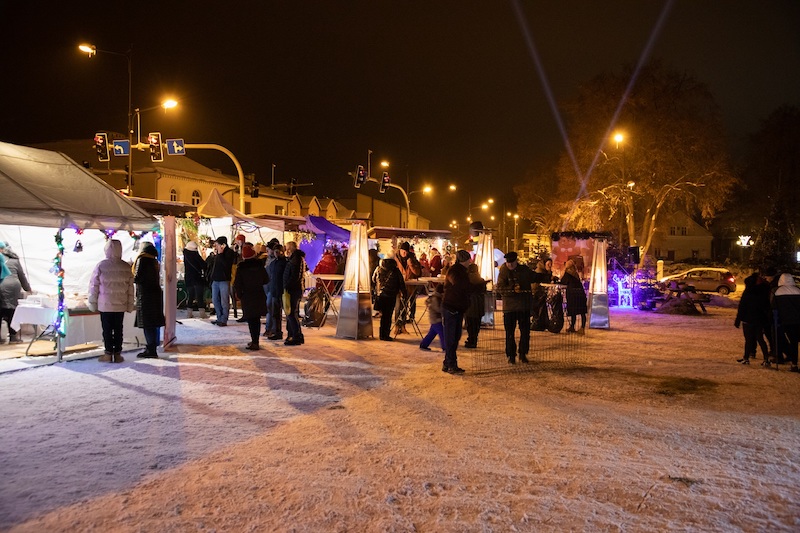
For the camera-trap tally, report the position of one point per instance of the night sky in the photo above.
(445, 90)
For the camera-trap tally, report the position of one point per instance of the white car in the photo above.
(707, 279)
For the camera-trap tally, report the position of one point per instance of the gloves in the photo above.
(92, 306)
(736, 323)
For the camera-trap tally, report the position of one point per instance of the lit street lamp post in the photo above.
(91, 50)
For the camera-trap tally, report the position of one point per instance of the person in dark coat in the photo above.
(389, 283)
(576, 296)
(11, 287)
(194, 276)
(149, 299)
(275, 270)
(293, 285)
(753, 315)
(455, 302)
(249, 289)
(477, 304)
(514, 285)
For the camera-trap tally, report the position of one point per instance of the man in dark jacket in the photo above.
(514, 285)
(293, 284)
(456, 301)
(194, 269)
(221, 269)
(276, 269)
(389, 283)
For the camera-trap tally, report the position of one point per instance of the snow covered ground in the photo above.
(657, 429)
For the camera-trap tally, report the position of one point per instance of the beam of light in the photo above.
(545, 85)
(584, 178)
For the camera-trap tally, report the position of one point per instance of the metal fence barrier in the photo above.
(551, 345)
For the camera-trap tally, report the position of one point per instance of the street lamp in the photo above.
(91, 50)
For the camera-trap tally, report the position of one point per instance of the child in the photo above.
(434, 303)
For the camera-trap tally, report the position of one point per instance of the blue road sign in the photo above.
(122, 147)
(175, 147)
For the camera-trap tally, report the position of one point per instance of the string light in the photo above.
(60, 323)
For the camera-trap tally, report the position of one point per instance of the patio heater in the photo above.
(598, 287)
(484, 258)
(355, 310)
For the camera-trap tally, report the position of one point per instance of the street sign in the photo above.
(122, 147)
(175, 147)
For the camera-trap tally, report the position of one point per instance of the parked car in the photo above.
(705, 279)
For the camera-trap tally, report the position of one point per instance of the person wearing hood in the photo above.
(293, 286)
(389, 283)
(11, 286)
(149, 299)
(249, 288)
(786, 303)
(753, 316)
(194, 275)
(111, 293)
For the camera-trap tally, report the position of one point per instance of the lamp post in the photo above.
(91, 50)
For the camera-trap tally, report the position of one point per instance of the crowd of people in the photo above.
(769, 316)
(267, 280)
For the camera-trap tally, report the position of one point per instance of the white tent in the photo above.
(216, 206)
(48, 189)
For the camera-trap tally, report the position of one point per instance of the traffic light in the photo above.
(360, 177)
(101, 146)
(385, 182)
(156, 149)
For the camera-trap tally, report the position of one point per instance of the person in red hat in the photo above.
(249, 288)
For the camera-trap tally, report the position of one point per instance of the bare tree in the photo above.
(671, 156)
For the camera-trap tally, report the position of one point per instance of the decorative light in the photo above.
(60, 323)
(744, 241)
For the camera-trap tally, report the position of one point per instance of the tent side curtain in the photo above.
(48, 189)
(216, 206)
(319, 226)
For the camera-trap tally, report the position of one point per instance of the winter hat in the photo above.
(240, 239)
(405, 246)
(248, 251)
(2, 244)
(511, 257)
(462, 256)
(222, 240)
(191, 245)
(150, 249)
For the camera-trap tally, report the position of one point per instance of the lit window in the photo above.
(195, 197)
(173, 195)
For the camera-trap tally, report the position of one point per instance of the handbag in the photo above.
(287, 303)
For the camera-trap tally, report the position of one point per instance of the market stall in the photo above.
(57, 216)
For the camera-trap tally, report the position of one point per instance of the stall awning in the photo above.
(385, 232)
(217, 207)
(46, 188)
(319, 226)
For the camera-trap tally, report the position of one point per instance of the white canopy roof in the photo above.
(45, 188)
(217, 207)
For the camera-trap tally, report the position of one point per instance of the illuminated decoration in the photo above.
(484, 258)
(59, 326)
(624, 294)
(744, 240)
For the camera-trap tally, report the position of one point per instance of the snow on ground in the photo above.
(659, 428)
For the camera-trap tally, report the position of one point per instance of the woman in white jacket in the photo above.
(111, 293)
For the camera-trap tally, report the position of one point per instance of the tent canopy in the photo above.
(217, 207)
(319, 225)
(45, 188)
